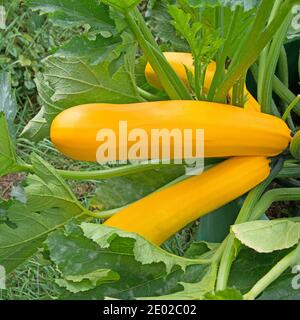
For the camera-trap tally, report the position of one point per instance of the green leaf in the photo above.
(232, 4)
(120, 191)
(122, 4)
(8, 162)
(96, 50)
(25, 233)
(8, 103)
(37, 128)
(144, 251)
(193, 291)
(50, 205)
(268, 236)
(204, 41)
(159, 19)
(199, 248)
(76, 13)
(282, 288)
(74, 82)
(46, 189)
(143, 269)
(227, 294)
(88, 281)
(250, 266)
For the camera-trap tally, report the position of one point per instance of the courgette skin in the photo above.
(160, 215)
(228, 131)
(182, 60)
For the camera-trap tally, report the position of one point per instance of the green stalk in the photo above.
(232, 245)
(290, 171)
(264, 55)
(288, 261)
(256, 42)
(169, 79)
(283, 68)
(148, 95)
(271, 64)
(103, 215)
(283, 194)
(220, 72)
(282, 91)
(98, 174)
(238, 93)
(290, 108)
(197, 77)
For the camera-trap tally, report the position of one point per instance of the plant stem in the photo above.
(169, 79)
(283, 194)
(265, 87)
(264, 55)
(103, 215)
(98, 174)
(289, 260)
(226, 262)
(221, 60)
(149, 96)
(232, 245)
(283, 68)
(254, 44)
(279, 88)
(290, 108)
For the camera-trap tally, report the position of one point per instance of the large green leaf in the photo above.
(50, 205)
(8, 162)
(25, 233)
(76, 13)
(46, 189)
(282, 288)
(144, 270)
(268, 236)
(250, 266)
(74, 81)
(95, 50)
(193, 291)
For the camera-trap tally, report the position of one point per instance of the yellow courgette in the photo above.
(161, 214)
(228, 131)
(181, 60)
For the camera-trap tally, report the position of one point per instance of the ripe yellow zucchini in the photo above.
(160, 215)
(180, 60)
(228, 131)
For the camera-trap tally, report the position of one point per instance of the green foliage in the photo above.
(8, 161)
(141, 266)
(227, 294)
(75, 14)
(50, 204)
(87, 52)
(268, 236)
